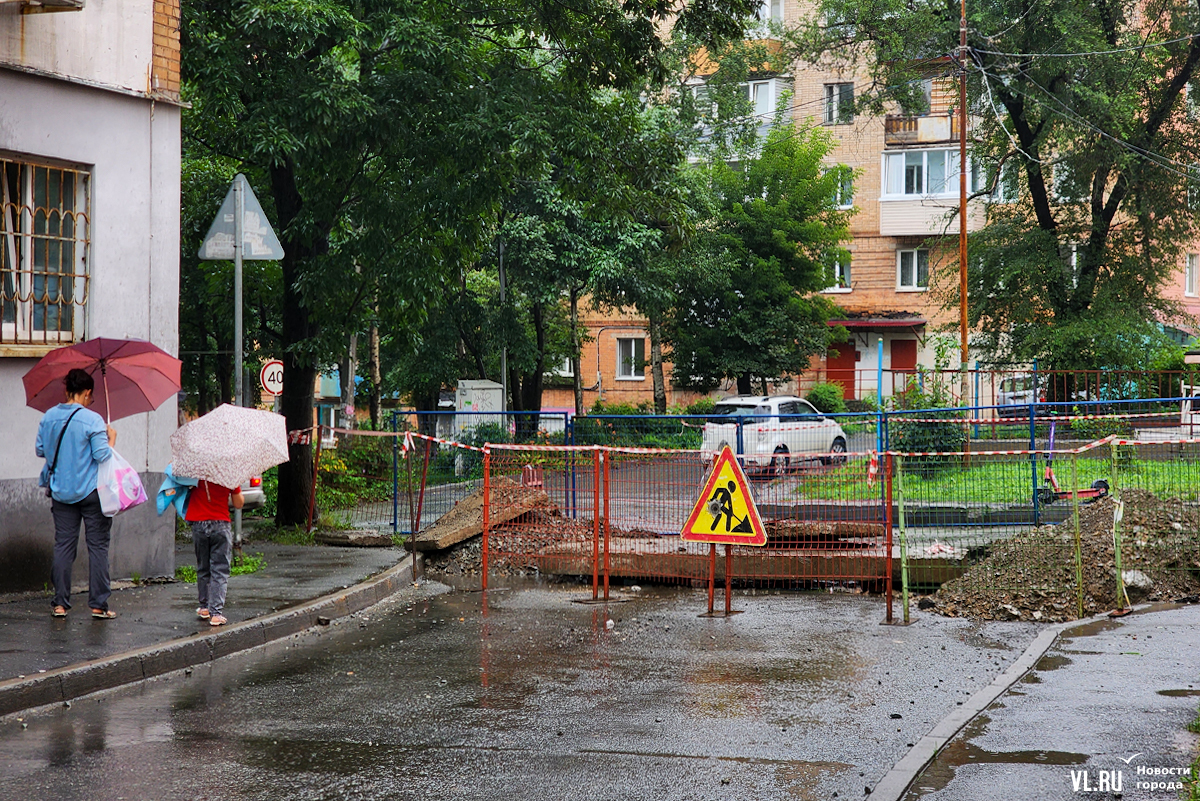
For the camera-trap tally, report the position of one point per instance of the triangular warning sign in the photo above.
(725, 511)
(259, 242)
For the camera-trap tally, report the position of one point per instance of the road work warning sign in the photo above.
(725, 511)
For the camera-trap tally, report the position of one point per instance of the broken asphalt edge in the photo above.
(895, 783)
(74, 681)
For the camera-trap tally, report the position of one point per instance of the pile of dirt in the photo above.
(515, 545)
(1032, 576)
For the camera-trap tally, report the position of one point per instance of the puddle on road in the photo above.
(1052, 662)
(1179, 693)
(1089, 629)
(961, 751)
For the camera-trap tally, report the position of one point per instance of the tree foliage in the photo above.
(1080, 110)
(746, 309)
(388, 133)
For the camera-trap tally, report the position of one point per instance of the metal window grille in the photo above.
(44, 251)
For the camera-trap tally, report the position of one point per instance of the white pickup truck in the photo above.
(776, 430)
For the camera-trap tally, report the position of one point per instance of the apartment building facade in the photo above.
(89, 240)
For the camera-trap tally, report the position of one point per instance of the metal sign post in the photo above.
(239, 231)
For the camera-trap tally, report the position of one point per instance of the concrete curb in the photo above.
(67, 683)
(895, 783)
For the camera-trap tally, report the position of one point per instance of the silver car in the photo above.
(776, 430)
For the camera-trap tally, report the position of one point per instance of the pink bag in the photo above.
(118, 485)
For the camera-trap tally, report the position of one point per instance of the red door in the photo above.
(904, 361)
(840, 361)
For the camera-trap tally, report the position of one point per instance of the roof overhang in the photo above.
(880, 322)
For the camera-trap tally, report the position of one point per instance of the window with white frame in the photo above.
(763, 97)
(1193, 187)
(1005, 186)
(1191, 287)
(1191, 100)
(843, 192)
(44, 237)
(839, 103)
(841, 275)
(770, 10)
(912, 269)
(562, 368)
(631, 358)
(911, 173)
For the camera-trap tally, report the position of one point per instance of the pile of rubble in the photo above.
(1033, 576)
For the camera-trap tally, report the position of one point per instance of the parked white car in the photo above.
(777, 430)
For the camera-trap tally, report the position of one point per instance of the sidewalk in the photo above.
(1102, 714)
(39, 650)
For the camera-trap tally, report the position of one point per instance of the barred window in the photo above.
(44, 238)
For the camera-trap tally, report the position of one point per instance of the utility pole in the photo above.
(962, 200)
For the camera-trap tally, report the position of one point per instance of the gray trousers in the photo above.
(97, 528)
(213, 540)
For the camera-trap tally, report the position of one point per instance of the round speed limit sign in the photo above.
(271, 377)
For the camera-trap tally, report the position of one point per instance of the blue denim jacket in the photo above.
(84, 447)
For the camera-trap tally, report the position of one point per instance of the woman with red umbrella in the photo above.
(74, 441)
(125, 377)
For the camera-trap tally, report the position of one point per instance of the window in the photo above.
(839, 103)
(1190, 286)
(922, 102)
(770, 10)
(912, 269)
(1191, 102)
(1006, 186)
(841, 275)
(631, 359)
(843, 193)
(762, 98)
(562, 369)
(1193, 187)
(1067, 186)
(43, 252)
(923, 172)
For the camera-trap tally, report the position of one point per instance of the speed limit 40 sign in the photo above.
(271, 377)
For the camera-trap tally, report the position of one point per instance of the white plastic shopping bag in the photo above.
(118, 485)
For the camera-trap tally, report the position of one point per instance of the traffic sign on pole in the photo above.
(271, 376)
(725, 511)
(259, 242)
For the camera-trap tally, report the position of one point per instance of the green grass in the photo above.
(284, 535)
(242, 565)
(1003, 482)
(1191, 782)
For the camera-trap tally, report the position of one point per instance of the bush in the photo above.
(924, 437)
(703, 406)
(828, 398)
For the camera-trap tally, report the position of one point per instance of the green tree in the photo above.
(746, 309)
(1080, 112)
(388, 132)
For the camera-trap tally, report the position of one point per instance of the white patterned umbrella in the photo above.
(229, 445)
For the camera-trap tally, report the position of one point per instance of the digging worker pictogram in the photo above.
(720, 505)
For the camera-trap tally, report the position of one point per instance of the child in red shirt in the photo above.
(212, 537)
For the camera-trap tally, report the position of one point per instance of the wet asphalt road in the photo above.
(436, 695)
(1108, 698)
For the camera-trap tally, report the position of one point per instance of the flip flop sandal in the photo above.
(203, 613)
(103, 614)
(59, 611)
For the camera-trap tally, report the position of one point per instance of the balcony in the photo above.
(43, 6)
(900, 129)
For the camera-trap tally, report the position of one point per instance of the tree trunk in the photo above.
(743, 384)
(576, 378)
(376, 375)
(346, 378)
(656, 365)
(299, 371)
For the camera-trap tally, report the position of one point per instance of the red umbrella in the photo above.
(132, 376)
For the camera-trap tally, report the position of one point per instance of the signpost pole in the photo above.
(239, 211)
(728, 579)
(712, 573)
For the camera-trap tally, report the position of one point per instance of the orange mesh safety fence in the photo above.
(615, 513)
